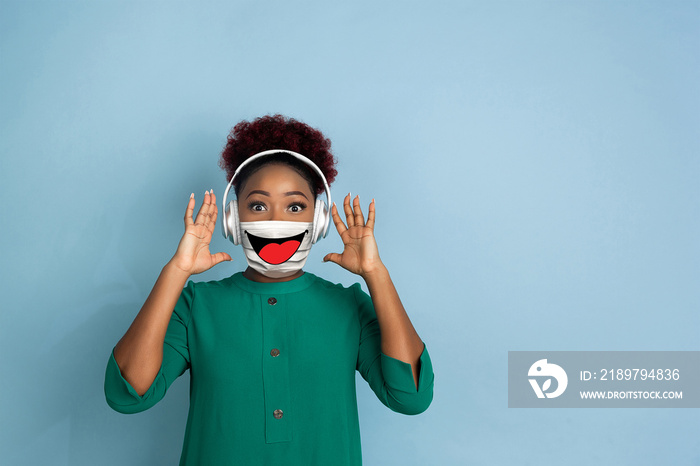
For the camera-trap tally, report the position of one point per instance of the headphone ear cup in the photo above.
(325, 220)
(224, 222)
(234, 223)
(320, 220)
(230, 222)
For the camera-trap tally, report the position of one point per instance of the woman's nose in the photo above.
(277, 214)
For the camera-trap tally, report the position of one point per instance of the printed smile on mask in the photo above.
(276, 250)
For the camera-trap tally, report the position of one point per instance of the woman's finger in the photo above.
(189, 211)
(220, 257)
(204, 210)
(370, 216)
(213, 212)
(339, 225)
(332, 257)
(199, 218)
(349, 216)
(359, 217)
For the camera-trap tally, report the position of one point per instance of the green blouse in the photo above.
(272, 370)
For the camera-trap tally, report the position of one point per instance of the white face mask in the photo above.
(276, 248)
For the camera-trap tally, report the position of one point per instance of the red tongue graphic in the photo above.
(274, 253)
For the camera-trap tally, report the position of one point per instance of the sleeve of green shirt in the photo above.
(119, 393)
(390, 379)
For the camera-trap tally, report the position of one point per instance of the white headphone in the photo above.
(322, 215)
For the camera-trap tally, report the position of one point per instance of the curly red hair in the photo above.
(277, 132)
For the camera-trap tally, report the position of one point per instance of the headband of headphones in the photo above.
(230, 221)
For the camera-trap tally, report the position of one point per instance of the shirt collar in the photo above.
(291, 286)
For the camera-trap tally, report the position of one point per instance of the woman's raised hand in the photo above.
(193, 255)
(360, 254)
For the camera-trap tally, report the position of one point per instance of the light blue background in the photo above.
(535, 166)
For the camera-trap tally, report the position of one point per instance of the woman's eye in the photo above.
(257, 207)
(296, 208)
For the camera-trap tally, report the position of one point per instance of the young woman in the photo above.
(272, 351)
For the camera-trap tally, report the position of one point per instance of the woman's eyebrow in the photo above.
(296, 193)
(258, 191)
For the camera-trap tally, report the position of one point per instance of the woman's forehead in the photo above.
(276, 178)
